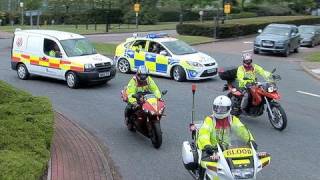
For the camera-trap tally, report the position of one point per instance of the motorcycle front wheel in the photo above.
(156, 137)
(279, 121)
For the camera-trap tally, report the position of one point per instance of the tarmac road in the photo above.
(99, 109)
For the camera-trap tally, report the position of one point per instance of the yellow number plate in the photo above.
(237, 153)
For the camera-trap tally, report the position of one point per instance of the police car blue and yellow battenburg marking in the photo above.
(154, 62)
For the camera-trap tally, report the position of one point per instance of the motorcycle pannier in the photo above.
(228, 74)
(189, 156)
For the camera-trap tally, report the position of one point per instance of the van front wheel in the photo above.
(72, 80)
(22, 72)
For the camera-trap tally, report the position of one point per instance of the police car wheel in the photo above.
(178, 74)
(22, 72)
(72, 80)
(124, 66)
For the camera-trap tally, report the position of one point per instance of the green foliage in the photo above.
(313, 57)
(241, 27)
(26, 128)
(243, 15)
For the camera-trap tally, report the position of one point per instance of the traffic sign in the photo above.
(136, 7)
(34, 13)
(227, 8)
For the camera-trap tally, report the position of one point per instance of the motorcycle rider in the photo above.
(246, 75)
(216, 128)
(140, 83)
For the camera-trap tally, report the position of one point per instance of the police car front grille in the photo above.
(103, 66)
(206, 74)
(210, 64)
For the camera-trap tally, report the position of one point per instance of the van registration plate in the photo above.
(104, 74)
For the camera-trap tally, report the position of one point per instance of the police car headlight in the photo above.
(88, 67)
(195, 64)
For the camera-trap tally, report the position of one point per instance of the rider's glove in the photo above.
(276, 76)
(210, 149)
(135, 106)
(255, 145)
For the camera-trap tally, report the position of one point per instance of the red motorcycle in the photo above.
(262, 94)
(146, 118)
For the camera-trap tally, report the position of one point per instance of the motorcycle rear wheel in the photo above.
(156, 137)
(280, 118)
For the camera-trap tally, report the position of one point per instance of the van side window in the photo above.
(51, 48)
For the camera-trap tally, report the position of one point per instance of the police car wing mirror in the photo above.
(164, 92)
(163, 53)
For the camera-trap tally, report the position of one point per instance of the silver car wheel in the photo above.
(22, 72)
(176, 75)
(70, 80)
(123, 66)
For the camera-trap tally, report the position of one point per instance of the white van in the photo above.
(59, 55)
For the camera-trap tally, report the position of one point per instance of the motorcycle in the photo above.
(146, 118)
(235, 158)
(262, 94)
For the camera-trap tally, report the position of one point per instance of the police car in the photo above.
(164, 56)
(59, 55)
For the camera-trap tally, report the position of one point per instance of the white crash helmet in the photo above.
(221, 107)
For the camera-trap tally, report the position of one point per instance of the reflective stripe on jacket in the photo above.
(251, 75)
(209, 134)
(134, 88)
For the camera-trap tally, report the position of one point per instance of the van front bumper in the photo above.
(94, 76)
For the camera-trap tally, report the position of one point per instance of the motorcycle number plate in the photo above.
(237, 153)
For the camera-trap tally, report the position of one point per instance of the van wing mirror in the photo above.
(58, 54)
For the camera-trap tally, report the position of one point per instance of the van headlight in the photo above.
(195, 64)
(243, 173)
(88, 67)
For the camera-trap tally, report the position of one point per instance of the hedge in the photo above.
(235, 29)
(26, 128)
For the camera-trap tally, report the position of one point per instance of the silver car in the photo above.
(310, 35)
(278, 38)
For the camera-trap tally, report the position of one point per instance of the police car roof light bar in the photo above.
(157, 35)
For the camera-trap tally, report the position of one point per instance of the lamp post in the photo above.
(21, 6)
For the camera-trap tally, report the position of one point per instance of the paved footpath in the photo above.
(76, 155)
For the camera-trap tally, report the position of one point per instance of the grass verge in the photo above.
(109, 48)
(313, 57)
(26, 128)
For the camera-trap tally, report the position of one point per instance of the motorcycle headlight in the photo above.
(195, 64)
(243, 173)
(270, 89)
(88, 67)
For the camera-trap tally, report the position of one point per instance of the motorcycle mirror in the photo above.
(194, 88)
(164, 92)
(135, 96)
(273, 70)
(245, 78)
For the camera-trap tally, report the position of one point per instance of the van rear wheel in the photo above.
(22, 72)
(72, 80)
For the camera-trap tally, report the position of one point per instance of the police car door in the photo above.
(139, 53)
(157, 58)
(51, 57)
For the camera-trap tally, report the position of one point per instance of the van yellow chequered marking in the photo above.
(49, 62)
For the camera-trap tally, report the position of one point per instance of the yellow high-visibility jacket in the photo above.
(133, 88)
(250, 75)
(209, 134)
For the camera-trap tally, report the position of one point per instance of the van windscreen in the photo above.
(77, 47)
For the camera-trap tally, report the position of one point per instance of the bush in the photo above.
(237, 29)
(269, 10)
(243, 15)
(26, 128)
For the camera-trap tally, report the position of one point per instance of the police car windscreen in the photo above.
(78, 47)
(179, 47)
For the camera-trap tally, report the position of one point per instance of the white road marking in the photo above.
(248, 42)
(310, 94)
(249, 50)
